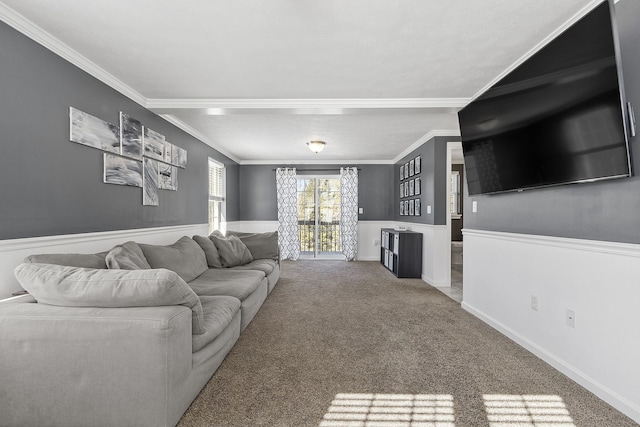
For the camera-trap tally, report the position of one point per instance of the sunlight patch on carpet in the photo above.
(514, 410)
(390, 410)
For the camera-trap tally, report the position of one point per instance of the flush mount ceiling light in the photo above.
(316, 146)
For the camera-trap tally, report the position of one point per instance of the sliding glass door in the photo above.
(319, 216)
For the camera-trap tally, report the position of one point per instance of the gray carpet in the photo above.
(337, 344)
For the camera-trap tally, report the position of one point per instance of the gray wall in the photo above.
(433, 177)
(53, 186)
(258, 190)
(605, 211)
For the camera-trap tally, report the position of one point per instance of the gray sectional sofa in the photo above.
(130, 336)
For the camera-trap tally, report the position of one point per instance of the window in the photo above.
(217, 191)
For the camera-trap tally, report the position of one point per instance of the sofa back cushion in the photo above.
(90, 287)
(232, 251)
(185, 257)
(261, 245)
(210, 251)
(71, 260)
(127, 256)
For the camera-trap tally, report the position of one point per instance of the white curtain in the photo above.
(287, 197)
(349, 212)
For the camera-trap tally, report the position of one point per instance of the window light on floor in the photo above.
(437, 410)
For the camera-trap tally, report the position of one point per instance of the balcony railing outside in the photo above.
(328, 236)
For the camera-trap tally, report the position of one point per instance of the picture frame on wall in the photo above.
(406, 189)
(412, 167)
(418, 165)
(411, 207)
(417, 186)
(401, 208)
(401, 190)
(417, 207)
(411, 185)
(401, 172)
(406, 207)
(406, 170)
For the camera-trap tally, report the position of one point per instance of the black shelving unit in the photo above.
(401, 252)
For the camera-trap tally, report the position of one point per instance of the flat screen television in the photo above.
(557, 118)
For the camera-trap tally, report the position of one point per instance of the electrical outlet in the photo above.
(534, 302)
(571, 318)
(474, 206)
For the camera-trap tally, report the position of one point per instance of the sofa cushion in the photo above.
(71, 260)
(90, 287)
(218, 311)
(185, 257)
(232, 251)
(210, 251)
(127, 256)
(261, 245)
(225, 281)
(264, 265)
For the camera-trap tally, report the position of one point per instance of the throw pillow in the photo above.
(232, 251)
(261, 245)
(127, 256)
(210, 251)
(89, 287)
(185, 257)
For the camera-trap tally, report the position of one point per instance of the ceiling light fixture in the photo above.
(316, 146)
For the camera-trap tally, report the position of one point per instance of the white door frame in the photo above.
(451, 145)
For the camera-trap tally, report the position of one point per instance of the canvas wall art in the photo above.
(153, 143)
(150, 183)
(130, 136)
(179, 157)
(168, 152)
(167, 177)
(136, 156)
(122, 171)
(88, 130)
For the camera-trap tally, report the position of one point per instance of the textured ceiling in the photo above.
(257, 79)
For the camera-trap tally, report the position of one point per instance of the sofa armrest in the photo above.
(82, 366)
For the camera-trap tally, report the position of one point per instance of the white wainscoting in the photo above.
(253, 226)
(599, 281)
(13, 251)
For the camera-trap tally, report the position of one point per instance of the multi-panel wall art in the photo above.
(411, 186)
(135, 155)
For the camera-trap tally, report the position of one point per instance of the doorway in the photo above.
(455, 196)
(319, 217)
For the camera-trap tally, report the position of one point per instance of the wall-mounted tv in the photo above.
(558, 118)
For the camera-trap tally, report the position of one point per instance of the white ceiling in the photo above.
(257, 79)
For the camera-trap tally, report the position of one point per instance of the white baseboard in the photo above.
(13, 251)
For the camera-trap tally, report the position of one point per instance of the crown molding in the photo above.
(199, 136)
(315, 162)
(301, 106)
(425, 138)
(40, 36)
(581, 13)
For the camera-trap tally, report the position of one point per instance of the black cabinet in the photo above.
(401, 252)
